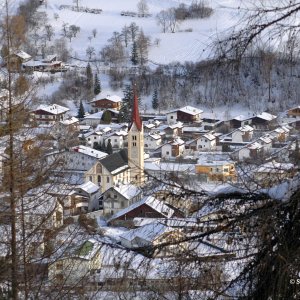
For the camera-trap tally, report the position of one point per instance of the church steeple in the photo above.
(136, 144)
(135, 118)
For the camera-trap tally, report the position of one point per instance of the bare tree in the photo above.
(142, 7)
(49, 31)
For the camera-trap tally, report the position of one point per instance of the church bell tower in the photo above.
(136, 145)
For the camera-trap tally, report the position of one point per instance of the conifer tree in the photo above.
(89, 78)
(134, 54)
(155, 100)
(81, 111)
(109, 149)
(106, 117)
(97, 85)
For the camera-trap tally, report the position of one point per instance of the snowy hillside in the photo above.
(180, 46)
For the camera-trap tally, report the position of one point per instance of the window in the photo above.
(99, 178)
(134, 144)
(91, 178)
(167, 152)
(107, 179)
(171, 117)
(116, 140)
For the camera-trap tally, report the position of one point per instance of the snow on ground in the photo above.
(179, 46)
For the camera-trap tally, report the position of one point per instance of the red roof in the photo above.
(135, 118)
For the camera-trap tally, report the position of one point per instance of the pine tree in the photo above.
(89, 78)
(134, 54)
(109, 149)
(81, 111)
(155, 100)
(97, 85)
(106, 117)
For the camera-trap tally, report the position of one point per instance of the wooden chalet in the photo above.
(109, 102)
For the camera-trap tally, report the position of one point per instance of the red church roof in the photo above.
(135, 118)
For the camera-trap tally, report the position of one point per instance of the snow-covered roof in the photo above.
(209, 136)
(266, 139)
(89, 151)
(89, 187)
(97, 115)
(155, 136)
(70, 121)
(147, 232)
(22, 54)
(245, 128)
(275, 167)
(188, 110)
(54, 109)
(266, 116)
(127, 190)
(240, 118)
(254, 146)
(155, 204)
(113, 98)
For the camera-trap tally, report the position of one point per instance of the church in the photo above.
(122, 167)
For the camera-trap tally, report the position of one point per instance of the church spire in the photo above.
(135, 118)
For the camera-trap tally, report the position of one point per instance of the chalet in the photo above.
(282, 133)
(242, 134)
(207, 142)
(186, 114)
(93, 119)
(252, 150)
(109, 102)
(173, 149)
(117, 139)
(263, 121)
(294, 112)
(85, 259)
(119, 197)
(152, 141)
(84, 198)
(239, 121)
(47, 64)
(155, 234)
(173, 130)
(72, 124)
(216, 170)
(15, 60)
(109, 171)
(49, 114)
(148, 207)
(271, 173)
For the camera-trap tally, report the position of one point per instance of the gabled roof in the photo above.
(127, 190)
(89, 187)
(150, 201)
(188, 110)
(54, 109)
(22, 54)
(113, 98)
(116, 161)
(266, 116)
(89, 151)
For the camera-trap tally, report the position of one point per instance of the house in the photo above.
(186, 114)
(120, 196)
(109, 171)
(294, 112)
(15, 60)
(263, 121)
(47, 64)
(282, 133)
(154, 235)
(252, 150)
(206, 142)
(117, 139)
(173, 149)
(272, 173)
(148, 207)
(239, 121)
(152, 141)
(173, 130)
(93, 119)
(71, 124)
(109, 102)
(84, 198)
(216, 170)
(242, 134)
(77, 264)
(49, 114)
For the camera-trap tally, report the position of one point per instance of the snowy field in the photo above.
(180, 46)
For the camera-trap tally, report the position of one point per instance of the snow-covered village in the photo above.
(149, 149)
